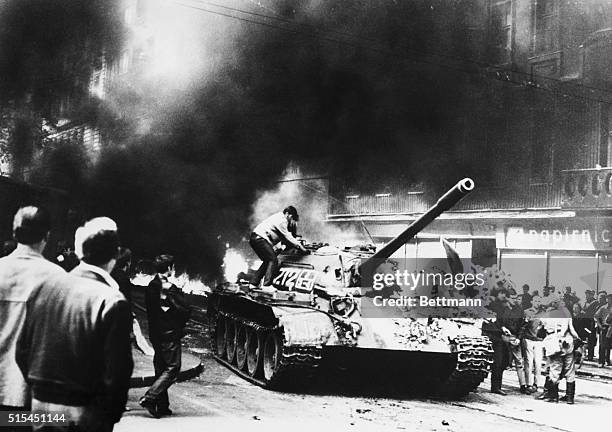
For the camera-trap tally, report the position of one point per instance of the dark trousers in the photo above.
(266, 254)
(591, 342)
(604, 347)
(167, 364)
(500, 362)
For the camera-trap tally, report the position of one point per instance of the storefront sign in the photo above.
(574, 237)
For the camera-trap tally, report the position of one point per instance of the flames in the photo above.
(183, 281)
(233, 264)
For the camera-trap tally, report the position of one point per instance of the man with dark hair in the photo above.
(494, 330)
(167, 313)
(570, 298)
(74, 349)
(527, 298)
(97, 245)
(66, 258)
(21, 271)
(120, 274)
(266, 235)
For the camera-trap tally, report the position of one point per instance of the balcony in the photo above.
(587, 188)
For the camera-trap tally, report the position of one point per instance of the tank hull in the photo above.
(278, 346)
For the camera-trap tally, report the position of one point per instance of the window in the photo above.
(542, 145)
(546, 26)
(501, 27)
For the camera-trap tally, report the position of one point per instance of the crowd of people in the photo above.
(66, 336)
(552, 329)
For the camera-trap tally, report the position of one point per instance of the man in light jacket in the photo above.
(20, 272)
(266, 235)
(74, 348)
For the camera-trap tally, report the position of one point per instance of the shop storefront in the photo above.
(573, 252)
(475, 241)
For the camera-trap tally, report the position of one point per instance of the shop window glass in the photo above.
(577, 272)
(525, 268)
(605, 273)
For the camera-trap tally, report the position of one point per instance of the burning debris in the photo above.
(187, 284)
(234, 264)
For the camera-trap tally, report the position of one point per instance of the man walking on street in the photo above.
(20, 272)
(74, 349)
(265, 236)
(167, 313)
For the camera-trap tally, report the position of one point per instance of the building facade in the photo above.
(542, 125)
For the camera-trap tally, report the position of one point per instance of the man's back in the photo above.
(20, 273)
(75, 344)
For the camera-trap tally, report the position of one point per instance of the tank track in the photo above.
(474, 360)
(297, 362)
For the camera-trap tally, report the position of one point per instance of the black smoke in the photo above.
(350, 86)
(48, 51)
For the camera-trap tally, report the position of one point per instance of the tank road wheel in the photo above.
(230, 340)
(220, 337)
(272, 357)
(254, 350)
(241, 346)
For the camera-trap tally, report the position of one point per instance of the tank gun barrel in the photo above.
(446, 202)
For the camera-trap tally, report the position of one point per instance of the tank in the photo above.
(314, 319)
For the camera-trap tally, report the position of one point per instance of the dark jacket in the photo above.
(531, 330)
(167, 318)
(124, 282)
(590, 308)
(75, 348)
(494, 329)
(513, 318)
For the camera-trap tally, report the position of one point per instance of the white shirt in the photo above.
(100, 272)
(275, 229)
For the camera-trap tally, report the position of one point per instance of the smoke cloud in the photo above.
(351, 86)
(310, 197)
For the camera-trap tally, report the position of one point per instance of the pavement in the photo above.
(217, 399)
(591, 369)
